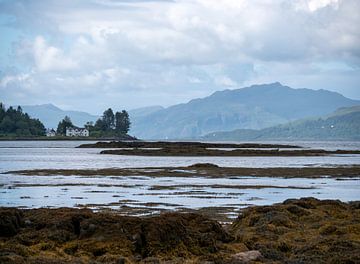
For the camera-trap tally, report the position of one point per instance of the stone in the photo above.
(245, 257)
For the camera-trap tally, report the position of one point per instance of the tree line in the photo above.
(13, 122)
(108, 125)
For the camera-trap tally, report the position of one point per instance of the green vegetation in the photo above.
(343, 124)
(110, 124)
(15, 123)
(63, 124)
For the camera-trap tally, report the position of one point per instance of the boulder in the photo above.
(246, 257)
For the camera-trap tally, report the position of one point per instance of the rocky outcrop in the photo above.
(305, 230)
(302, 231)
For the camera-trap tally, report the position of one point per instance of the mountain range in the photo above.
(50, 115)
(254, 107)
(250, 108)
(343, 124)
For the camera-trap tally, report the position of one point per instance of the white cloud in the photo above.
(178, 49)
(49, 58)
(225, 81)
(317, 4)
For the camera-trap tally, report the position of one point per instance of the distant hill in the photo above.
(139, 113)
(343, 124)
(254, 107)
(50, 115)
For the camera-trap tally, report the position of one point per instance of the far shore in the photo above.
(61, 139)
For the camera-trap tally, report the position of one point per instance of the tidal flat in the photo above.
(223, 191)
(62, 204)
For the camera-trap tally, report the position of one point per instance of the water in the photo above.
(20, 155)
(164, 192)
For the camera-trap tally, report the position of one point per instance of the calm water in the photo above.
(165, 192)
(19, 155)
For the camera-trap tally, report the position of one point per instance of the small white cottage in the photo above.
(50, 132)
(77, 132)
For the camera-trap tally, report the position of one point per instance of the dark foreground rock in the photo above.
(81, 236)
(302, 231)
(296, 231)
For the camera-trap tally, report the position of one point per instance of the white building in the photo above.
(50, 132)
(77, 132)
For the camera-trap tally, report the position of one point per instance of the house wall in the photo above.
(77, 132)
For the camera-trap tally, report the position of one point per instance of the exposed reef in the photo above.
(296, 231)
(191, 149)
(201, 151)
(179, 144)
(205, 170)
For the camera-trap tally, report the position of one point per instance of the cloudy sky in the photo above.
(92, 54)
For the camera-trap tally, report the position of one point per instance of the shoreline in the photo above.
(306, 229)
(61, 139)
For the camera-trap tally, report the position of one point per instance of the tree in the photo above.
(13, 122)
(109, 119)
(2, 111)
(63, 124)
(89, 125)
(122, 122)
(7, 125)
(110, 125)
(100, 125)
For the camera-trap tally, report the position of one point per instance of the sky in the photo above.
(93, 54)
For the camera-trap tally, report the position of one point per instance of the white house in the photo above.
(77, 132)
(50, 132)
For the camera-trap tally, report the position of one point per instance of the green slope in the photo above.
(343, 124)
(254, 107)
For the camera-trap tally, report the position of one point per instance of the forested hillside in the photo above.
(14, 122)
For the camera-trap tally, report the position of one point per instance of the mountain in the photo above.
(343, 124)
(144, 111)
(253, 107)
(50, 115)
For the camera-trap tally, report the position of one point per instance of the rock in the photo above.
(10, 221)
(203, 165)
(151, 260)
(245, 257)
(121, 260)
(297, 210)
(11, 258)
(327, 229)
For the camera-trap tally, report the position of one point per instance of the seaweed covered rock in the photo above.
(303, 230)
(80, 236)
(10, 221)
